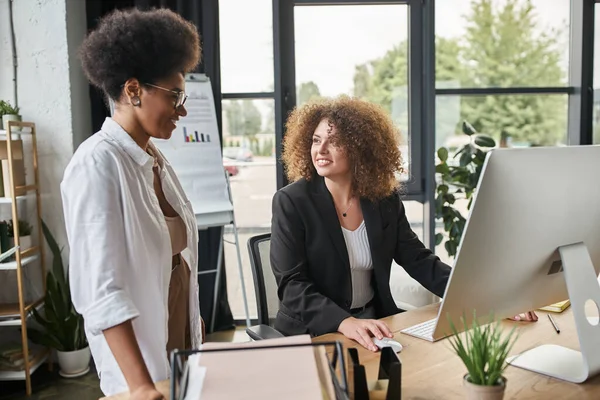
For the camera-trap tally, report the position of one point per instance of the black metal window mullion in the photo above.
(422, 108)
(415, 185)
(347, 2)
(284, 75)
(581, 72)
(504, 91)
(249, 95)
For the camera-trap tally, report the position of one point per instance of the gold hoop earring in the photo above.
(135, 101)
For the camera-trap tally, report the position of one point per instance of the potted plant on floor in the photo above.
(483, 350)
(25, 230)
(8, 113)
(63, 326)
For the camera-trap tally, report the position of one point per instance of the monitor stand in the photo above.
(558, 361)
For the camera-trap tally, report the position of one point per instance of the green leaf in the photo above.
(442, 169)
(439, 202)
(442, 154)
(63, 326)
(470, 202)
(450, 246)
(467, 129)
(465, 159)
(438, 238)
(442, 189)
(57, 265)
(456, 231)
(484, 141)
(447, 224)
(44, 339)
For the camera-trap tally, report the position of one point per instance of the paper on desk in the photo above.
(197, 373)
(280, 373)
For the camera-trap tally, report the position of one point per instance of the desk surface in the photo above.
(433, 371)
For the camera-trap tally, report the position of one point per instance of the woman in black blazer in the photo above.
(337, 228)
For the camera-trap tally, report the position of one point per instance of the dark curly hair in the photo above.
(364, 131)
(147, 45)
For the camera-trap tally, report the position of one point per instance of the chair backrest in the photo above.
(265, 285)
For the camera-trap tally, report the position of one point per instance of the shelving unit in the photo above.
(15, 315)
(37, 361)
(11, 312)
(25, 259)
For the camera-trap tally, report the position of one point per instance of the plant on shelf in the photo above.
(483, 351)
(25, 230)
(458, 181)
(63, 326)
(7, 109)
(8, 113)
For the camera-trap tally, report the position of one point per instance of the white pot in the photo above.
(10, 117)
(74, 363)
(479, 392)
(25, 242)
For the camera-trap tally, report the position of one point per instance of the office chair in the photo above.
(265, 287)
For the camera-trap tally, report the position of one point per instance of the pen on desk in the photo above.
(553, 323)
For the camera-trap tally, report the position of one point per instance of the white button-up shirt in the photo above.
(120, 249)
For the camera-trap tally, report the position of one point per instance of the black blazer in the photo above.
(310, 259)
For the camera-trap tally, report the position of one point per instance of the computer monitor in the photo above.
(529, 203)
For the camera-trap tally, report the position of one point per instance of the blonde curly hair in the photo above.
(364, 131)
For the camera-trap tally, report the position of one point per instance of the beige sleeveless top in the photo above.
(178, 234)
(176, 226)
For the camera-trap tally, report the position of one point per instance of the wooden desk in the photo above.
(434, 371)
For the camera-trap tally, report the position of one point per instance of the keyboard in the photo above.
(423, 330)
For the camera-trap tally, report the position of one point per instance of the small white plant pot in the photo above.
(479, 392)
(25, 242)
(10, 117)
(74, 363)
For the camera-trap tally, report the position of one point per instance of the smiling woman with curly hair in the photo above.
(337, 228)
(370, 140)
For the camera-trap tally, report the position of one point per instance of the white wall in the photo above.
(52, 91)
(6, 90)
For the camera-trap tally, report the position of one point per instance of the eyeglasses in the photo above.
(181, 96)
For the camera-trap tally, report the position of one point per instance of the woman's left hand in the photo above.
(529, 316)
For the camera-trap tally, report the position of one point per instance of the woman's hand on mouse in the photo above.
(361, 330)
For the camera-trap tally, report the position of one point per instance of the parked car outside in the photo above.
(238, 153)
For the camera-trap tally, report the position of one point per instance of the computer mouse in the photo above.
(388, 342)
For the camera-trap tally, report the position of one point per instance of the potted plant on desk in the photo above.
(63, 326)
(483, 350)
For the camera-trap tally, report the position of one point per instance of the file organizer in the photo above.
(389, 378)
(180, 378)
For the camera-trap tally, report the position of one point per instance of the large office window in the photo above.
(246, 40)
(246, 46)
(502, 66)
